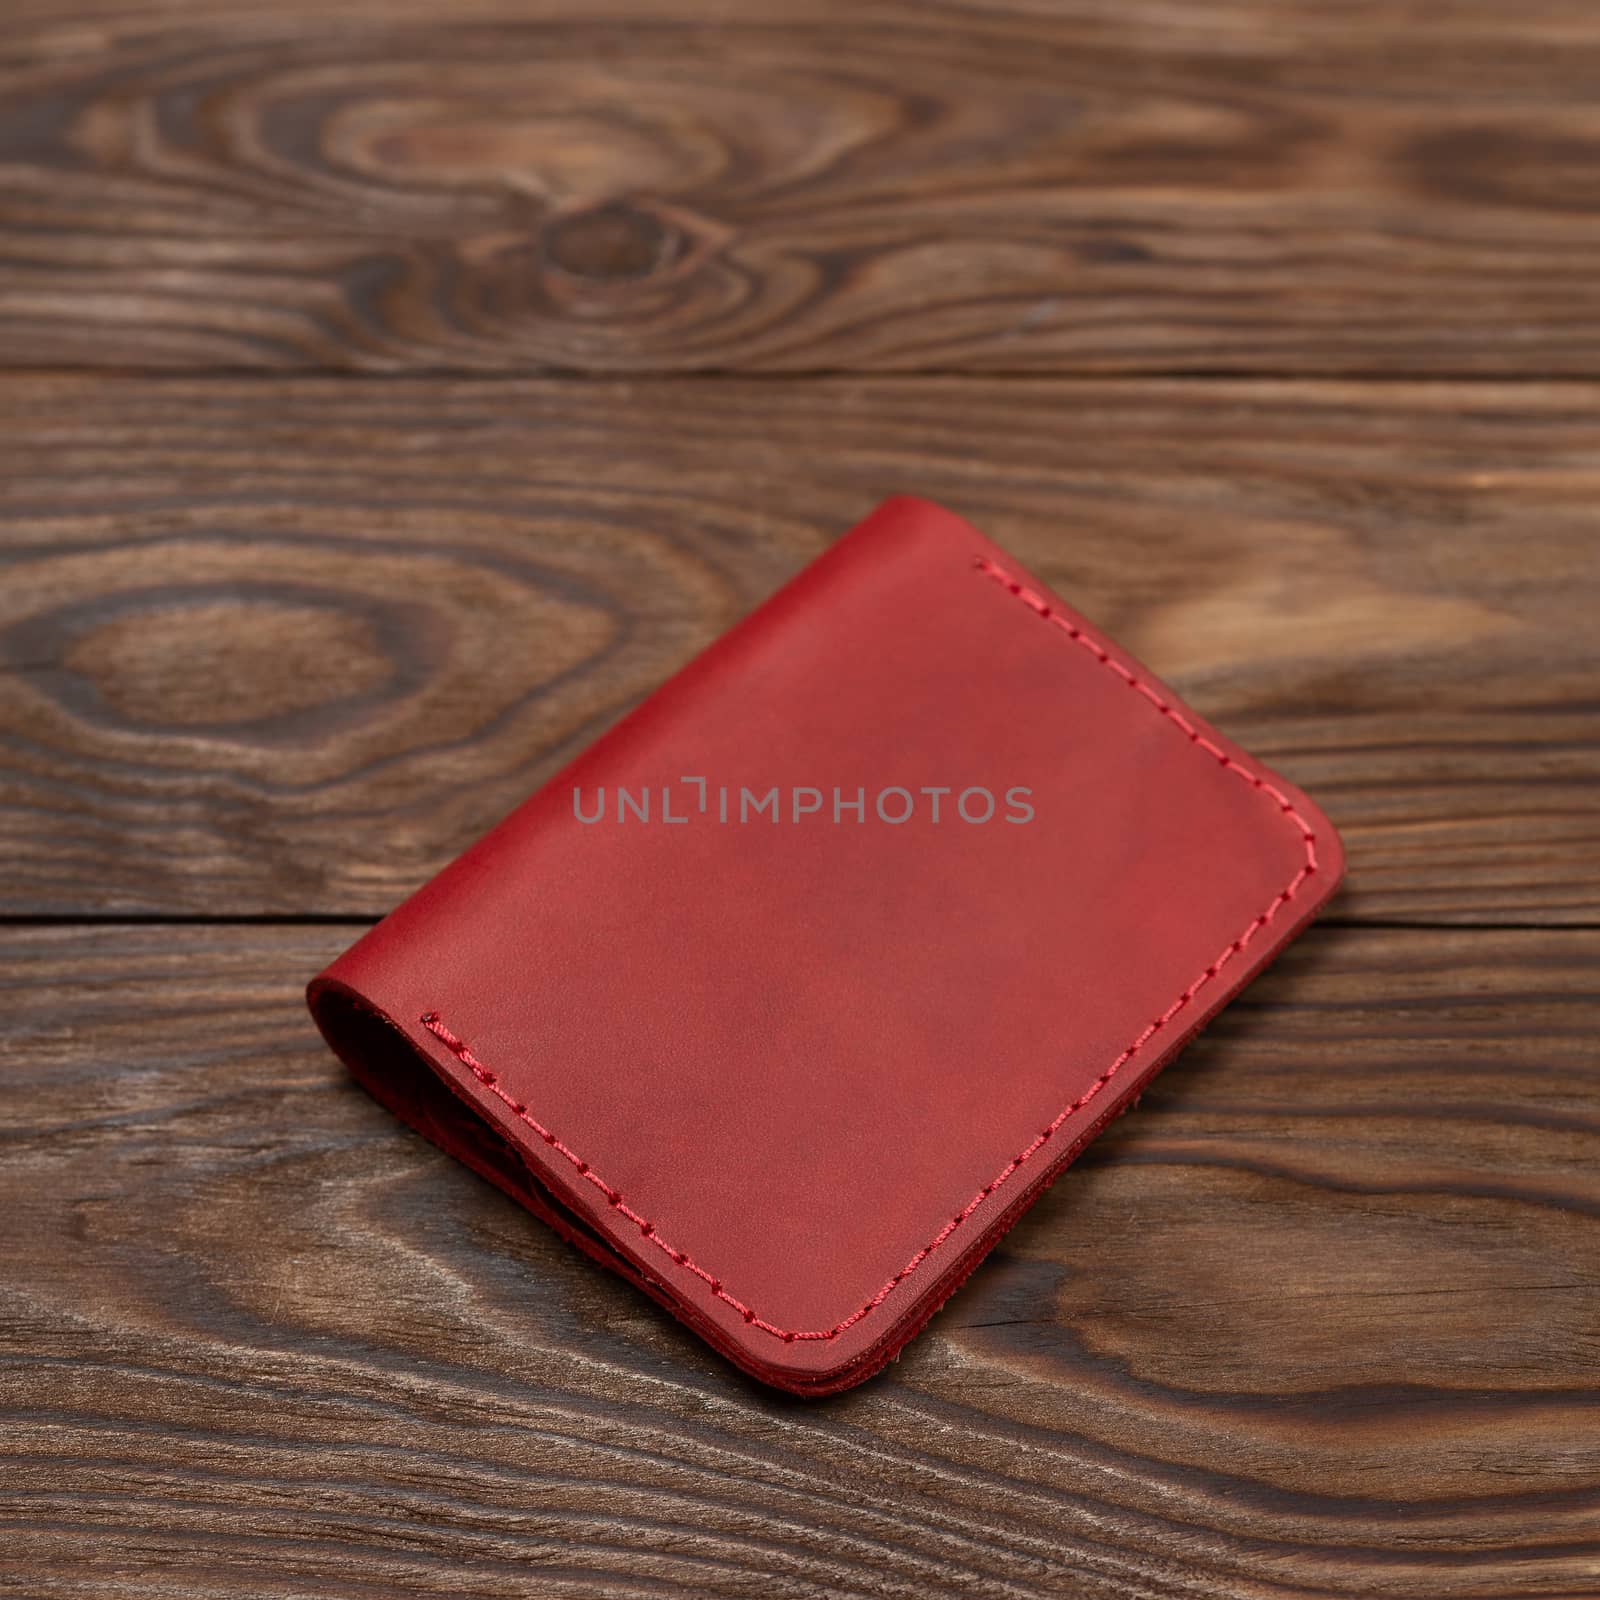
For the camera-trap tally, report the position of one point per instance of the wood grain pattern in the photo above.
(1320, 1319)
(288, 649)
(652, 185)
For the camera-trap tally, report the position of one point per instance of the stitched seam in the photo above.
(1041, 608)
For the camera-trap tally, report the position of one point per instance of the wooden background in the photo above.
(393, 391)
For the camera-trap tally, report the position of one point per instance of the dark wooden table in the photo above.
(393, 391)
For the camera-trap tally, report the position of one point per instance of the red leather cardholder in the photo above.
(791, 994)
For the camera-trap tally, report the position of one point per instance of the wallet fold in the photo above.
(790, 994)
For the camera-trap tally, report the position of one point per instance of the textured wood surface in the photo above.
(288, 648)
(392, 392)
(1242, 185)
(1320, 1319)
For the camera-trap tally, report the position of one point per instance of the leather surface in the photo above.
(795, 1078)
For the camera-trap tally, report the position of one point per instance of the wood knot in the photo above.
(610, 243)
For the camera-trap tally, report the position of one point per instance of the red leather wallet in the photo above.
(790, 995)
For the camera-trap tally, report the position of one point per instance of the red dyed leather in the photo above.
(795, 1079)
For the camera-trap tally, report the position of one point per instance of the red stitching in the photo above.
(1037, 604)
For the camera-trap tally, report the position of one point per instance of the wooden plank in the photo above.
(1110, 185)
(288, 648)
(1318, 1319)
